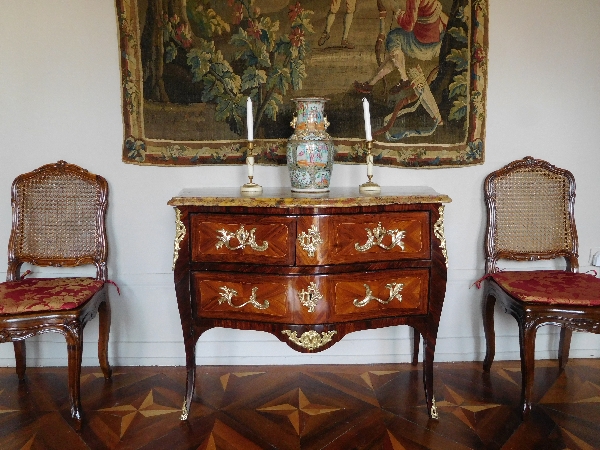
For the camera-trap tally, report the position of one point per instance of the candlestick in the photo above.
(250, 188)
(249, 120)
(369, 187)
(367, 115)
(250, 163)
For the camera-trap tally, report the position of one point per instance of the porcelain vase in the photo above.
(310, 150)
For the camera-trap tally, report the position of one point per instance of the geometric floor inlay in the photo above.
(305, 407)
(295, 405)
(146, 408)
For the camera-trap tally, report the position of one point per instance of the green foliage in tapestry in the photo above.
(232, 52)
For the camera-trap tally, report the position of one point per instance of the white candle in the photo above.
(367, 119)
(249, 120)
(250, 162)
(369, 165)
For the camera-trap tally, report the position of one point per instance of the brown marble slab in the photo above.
(280, 196)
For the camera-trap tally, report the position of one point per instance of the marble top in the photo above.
(281, 196)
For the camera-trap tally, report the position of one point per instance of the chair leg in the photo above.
(564, 347)
(527, 346)
(488, 329)
(74, 337)
(416, 340)
(20, 358)
(103, 333)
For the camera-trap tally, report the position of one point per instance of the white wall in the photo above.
(60, 99)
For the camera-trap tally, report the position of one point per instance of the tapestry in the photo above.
(188, 68)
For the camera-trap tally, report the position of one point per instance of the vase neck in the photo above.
(310, 111)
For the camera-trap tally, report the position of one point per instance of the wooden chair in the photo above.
(58, 215)
(530, 206)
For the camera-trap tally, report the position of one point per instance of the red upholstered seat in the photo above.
(550, 287)
(46, 294)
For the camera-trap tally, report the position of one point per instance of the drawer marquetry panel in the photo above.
(243, 239)
(242, 296)
(310, 299)
(294, 299)
(380, 294)
(347, 239)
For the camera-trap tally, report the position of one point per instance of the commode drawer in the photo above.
(347, 239)
(379, 294)
(242, 296)
(276, 298)
(243, 239)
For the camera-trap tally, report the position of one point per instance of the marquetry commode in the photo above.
(310, 268)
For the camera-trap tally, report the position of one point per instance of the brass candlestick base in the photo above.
(250, 188)
(370, 187)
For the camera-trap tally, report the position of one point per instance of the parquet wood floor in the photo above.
(305, 407)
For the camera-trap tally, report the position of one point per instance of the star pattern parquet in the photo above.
(305, 407)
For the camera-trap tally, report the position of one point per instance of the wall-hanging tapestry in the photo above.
(188, 67)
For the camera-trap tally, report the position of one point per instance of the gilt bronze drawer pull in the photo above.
(310, 241)
(227, 294)
(243, 237)
(311, 297)
(310, 339)
(375, 237)
(395, 289)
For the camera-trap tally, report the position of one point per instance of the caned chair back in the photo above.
(58, 219)
(530, 205)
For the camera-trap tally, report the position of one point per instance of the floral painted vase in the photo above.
(310, 149)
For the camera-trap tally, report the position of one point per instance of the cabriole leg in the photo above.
(103, 334)
(527, 343)
(416, 340)
(20, 358)
(564, 347)
(190, 365)
(488, 329)
(74, 352)
(428, 352)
